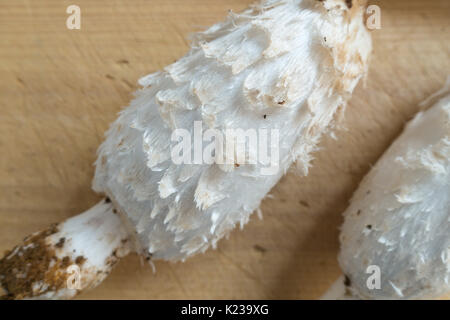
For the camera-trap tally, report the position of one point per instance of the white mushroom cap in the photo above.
(399, 218)
(288, 65)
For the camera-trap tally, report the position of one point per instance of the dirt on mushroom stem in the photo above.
(34, 262)
(65, 259)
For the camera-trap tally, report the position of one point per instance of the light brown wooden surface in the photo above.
(60, 88)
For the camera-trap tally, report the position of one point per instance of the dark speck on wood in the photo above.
(304, 203)
(258, 248)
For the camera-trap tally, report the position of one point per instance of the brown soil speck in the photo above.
(112, 259)
(60, 243)
(347, 284)
(349, 3)
(65, 262)
(347, 281)
(80, 260)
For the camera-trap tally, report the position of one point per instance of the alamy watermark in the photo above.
(230, 147)
(74, 279)
(74, 19)
(373, 21)
(374, 280)
(373, 17)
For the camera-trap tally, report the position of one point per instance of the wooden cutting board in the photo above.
(60, 88)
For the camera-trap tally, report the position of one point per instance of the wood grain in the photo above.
(60, 88)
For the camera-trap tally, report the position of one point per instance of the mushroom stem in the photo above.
(66, 258)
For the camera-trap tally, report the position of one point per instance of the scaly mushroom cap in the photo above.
(286, 65)
(399, 218)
